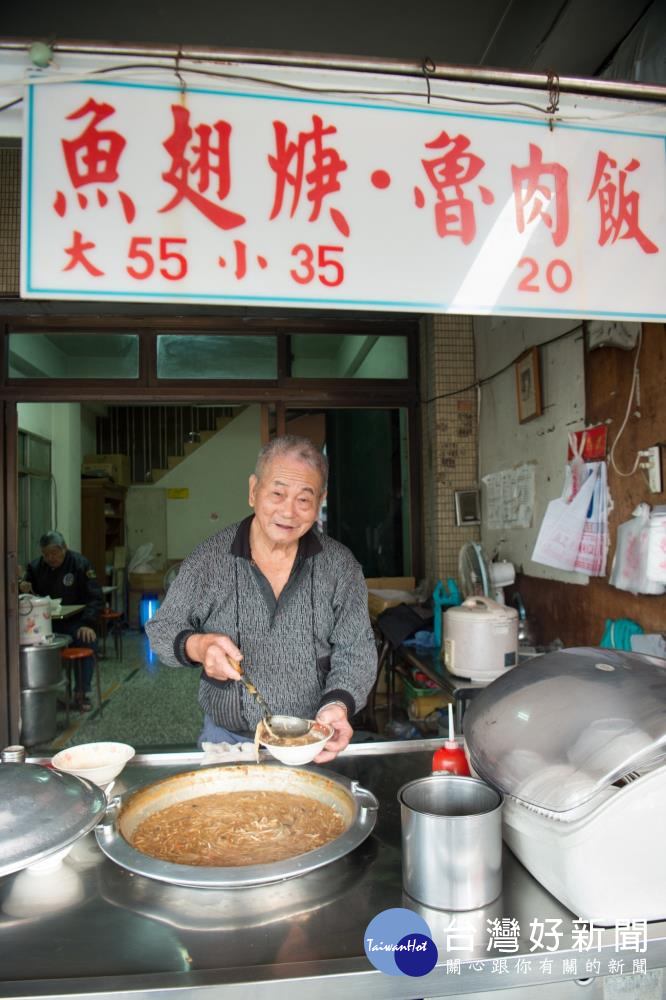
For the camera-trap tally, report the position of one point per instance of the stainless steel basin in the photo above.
(357, 805)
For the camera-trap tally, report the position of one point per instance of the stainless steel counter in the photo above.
(93, 929)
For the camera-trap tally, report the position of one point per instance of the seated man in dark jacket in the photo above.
(62, 573)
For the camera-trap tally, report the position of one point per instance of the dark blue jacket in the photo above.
(75, 582)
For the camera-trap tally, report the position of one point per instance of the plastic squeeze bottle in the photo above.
(450, 757)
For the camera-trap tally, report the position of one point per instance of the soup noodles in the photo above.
(230, 829)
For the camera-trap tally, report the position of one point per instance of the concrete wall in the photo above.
(216, 477)
(88, 431)
(562, 611)
(66, 456)
(504, 443)
(146, 524)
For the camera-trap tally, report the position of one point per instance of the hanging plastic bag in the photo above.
(593, 548)
(656, 557)
(576, 471)
(629, 570)
(562, 528)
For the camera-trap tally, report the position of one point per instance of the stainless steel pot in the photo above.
(39, 664)
(39, 713)
(357, 805)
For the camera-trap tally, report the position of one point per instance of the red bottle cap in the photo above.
(450, 757)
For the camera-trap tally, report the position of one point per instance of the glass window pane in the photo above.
(39, 455)
(342, 355)
(40, 512)
(219, 357)
(73, 355)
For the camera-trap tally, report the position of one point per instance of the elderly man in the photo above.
(273, 591)
(60, 572)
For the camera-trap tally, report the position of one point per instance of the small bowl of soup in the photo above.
(295, 749)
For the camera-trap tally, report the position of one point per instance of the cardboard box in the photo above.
(147, 582)
(113, 467)
(98, 470)
(390, 582)
(388, 591)
(421, 702)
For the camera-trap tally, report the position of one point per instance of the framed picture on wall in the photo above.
(528, 386)
(468, 507)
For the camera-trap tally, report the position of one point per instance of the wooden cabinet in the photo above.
(102, 523)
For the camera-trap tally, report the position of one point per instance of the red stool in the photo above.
(110, 622)
(72, 657)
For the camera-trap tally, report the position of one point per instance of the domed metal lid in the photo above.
(556, 731)
(43, 811)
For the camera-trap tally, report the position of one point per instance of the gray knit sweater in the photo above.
(314, 645)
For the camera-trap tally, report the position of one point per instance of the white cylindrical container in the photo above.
(35, 624)
(480, 639)
(451, 841)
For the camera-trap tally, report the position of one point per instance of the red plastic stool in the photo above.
(72, 657)
(110, 623)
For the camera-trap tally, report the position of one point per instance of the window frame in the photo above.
(26, 473)
(149, 387)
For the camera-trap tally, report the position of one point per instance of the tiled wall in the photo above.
(450, 441)
(10, 219)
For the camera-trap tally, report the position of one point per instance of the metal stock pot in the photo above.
(357, 805)
(39, 663)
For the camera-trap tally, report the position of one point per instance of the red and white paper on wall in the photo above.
(143, 192)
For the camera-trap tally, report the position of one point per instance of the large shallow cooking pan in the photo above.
(355, 804)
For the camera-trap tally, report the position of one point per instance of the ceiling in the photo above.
(569, 37)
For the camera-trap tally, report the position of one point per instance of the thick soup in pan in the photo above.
(229, 829)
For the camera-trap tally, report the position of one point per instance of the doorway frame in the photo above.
(284, 393)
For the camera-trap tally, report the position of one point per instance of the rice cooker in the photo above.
(35, 624)
(480, 639)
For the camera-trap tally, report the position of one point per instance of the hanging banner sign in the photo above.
(141, 192)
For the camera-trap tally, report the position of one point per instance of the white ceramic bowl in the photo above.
(300, 754)
(99, 762)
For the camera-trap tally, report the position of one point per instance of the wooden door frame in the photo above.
(283, 393)
(9, 648)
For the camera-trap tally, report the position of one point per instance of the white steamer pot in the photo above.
(480, 639)
(35, 624)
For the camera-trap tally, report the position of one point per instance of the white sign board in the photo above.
(144, 192)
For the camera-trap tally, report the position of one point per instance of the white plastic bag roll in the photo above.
(656, 557)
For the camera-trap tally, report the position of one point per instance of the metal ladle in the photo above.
(278, 726)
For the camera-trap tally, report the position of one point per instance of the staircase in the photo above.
(155, 438)
(189, 447)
